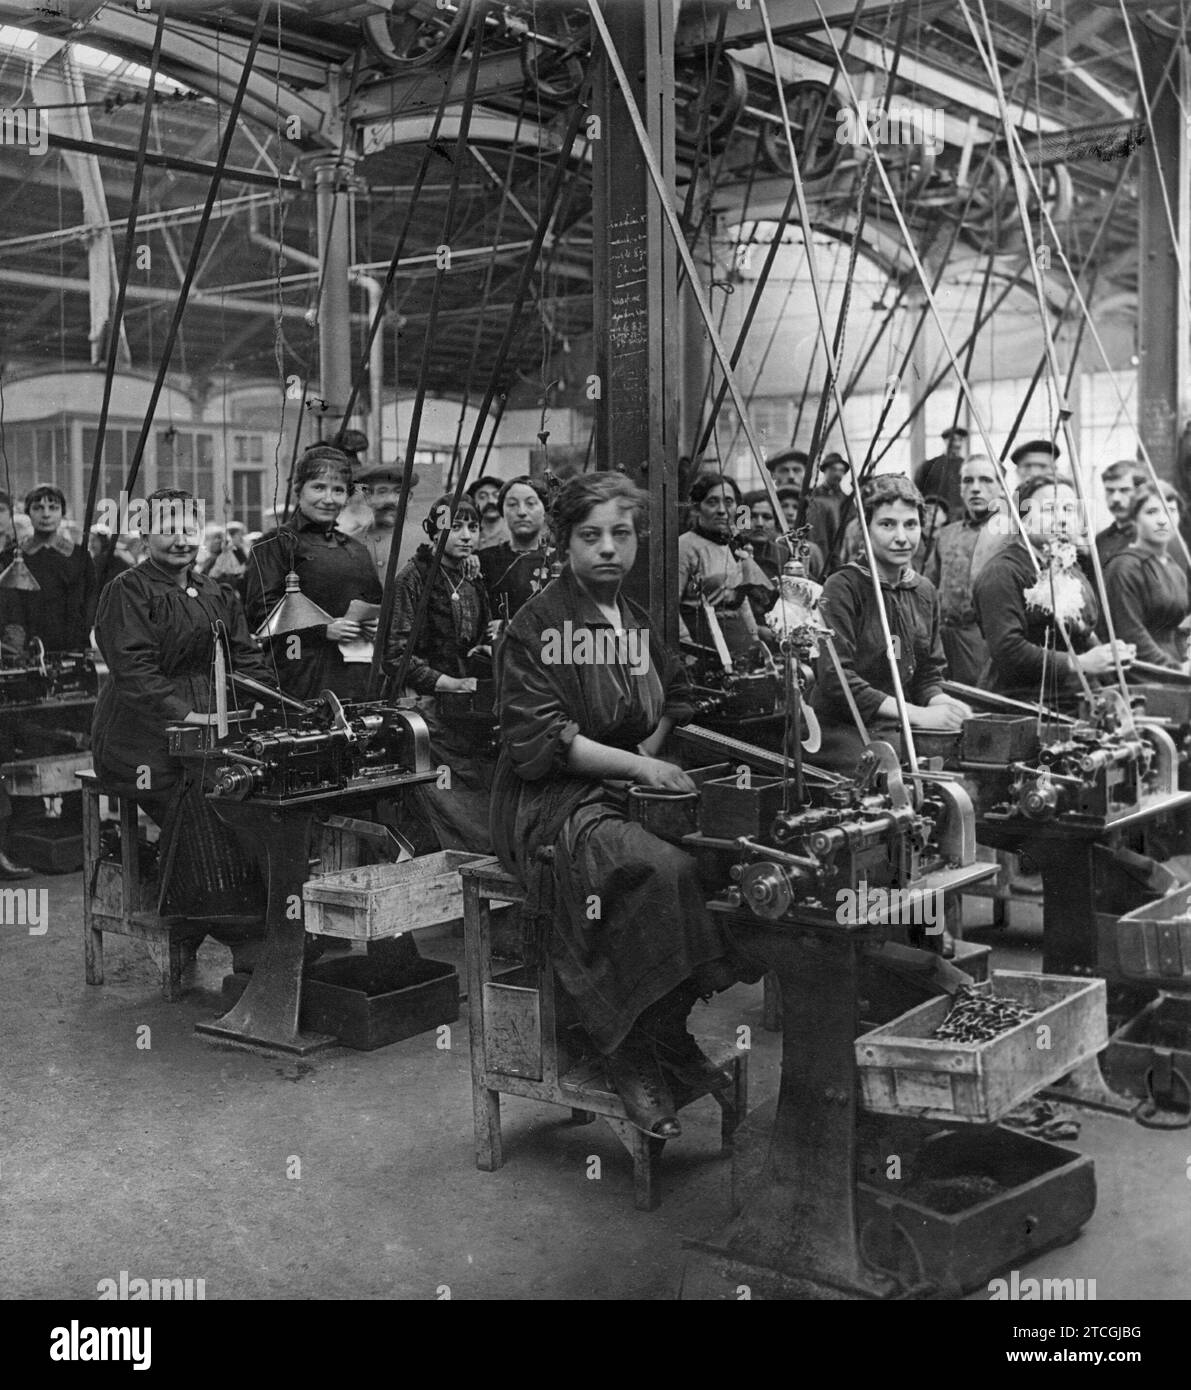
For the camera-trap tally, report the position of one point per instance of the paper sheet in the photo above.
(359, 612)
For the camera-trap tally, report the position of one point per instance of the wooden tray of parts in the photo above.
(49, 776)
(1154, 941)
(378, 900)
(904, 1071)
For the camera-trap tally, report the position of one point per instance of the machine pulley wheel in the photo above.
(804, 102)
(417, 33)
(729, 95)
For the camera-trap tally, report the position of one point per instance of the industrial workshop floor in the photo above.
(181, 1160)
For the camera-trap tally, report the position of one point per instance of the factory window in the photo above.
(186, 459)
(248, 448)
(246, 498)
(119, 448)
(35, 454)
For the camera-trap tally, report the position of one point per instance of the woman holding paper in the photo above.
(334, 571)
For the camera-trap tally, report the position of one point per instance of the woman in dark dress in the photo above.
(520, 567)
(156, 629)
(1147, 590)
(893, 509)
(332, 569)
(449, 654)
(629, 935)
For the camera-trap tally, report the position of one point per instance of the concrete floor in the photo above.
(175, 1161)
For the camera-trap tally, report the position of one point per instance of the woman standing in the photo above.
(893, 508)
(518, 568)
(1147, 590)
(332, 569)
(447, 655)
(711, 571)
(629, 936)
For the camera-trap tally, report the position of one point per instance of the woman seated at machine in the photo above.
(157, 629)
(586, 695)
(1039, 615)
(332, 569)
(447, 655)
(1146, 588)
(715, 572)
(893, 509)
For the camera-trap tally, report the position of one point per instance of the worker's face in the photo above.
(716, 509)
(788, 475)
(895, 530)
(524, 514)
(790, 510)
(833, 474)
(323, 498)
(1118, 493)
(46, 516)
(955, 448)
(603, 546)
(382, 497)
(464, 533)
(1151, 524)
(1053, 513)
(486, 500)
(174, 547)
(764, 519)
(978, 487)
(1031, 465)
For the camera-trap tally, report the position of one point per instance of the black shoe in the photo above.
(8, 869)
(639, 1083)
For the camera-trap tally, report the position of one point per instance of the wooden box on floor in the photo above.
(905, 1071)
(378, 900)
(521, 1047)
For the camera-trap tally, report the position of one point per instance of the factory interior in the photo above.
(595, 688)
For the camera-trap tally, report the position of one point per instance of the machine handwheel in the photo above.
(417, 33)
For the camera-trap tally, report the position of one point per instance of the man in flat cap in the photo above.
(381, 489)
(940, 476)
(1033, 458)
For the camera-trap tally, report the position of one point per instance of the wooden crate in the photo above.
(48, 776)
(378, 900)
(904, 1071)
(1154, 941)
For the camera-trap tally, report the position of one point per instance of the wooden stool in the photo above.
(520, 1048)
(115, 899)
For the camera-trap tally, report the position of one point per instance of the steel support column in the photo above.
(333, 199)
(1162, 319)
(636, 308)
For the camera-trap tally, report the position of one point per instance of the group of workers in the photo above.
(506, 568)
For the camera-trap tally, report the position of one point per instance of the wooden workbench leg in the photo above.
(92, 938)
(171, 963)
(477, 945)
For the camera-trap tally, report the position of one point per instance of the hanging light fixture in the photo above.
(19, 576)
(294, 612)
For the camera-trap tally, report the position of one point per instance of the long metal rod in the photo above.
(126, 155)
(1016, 158)
(389, 595)
(512, 326)
(225, 146)
(833, 367)
(117, 318)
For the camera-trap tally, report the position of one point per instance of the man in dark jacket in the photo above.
(940, 476)
(1121, 480)
(1029, 657)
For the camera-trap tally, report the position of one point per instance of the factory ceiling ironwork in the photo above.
(369, 77)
